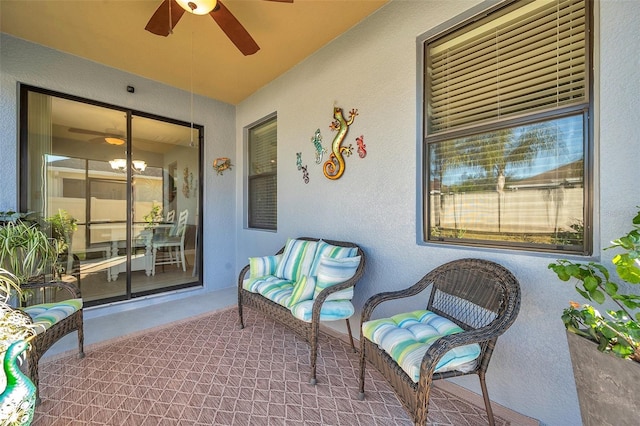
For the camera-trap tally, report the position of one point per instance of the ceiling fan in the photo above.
(169, 13)
(110, 136)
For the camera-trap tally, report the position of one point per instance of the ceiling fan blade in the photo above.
(234, 30)
(282, 1)
(87, 131)
(159, 22)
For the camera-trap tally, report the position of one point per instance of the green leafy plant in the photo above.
(25, 250)
(154, 216)
(619, 331)
(14, 325)
(62, 226)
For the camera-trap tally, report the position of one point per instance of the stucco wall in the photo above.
(373, 68)
(28, 63)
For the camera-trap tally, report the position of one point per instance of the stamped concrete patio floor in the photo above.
(206, 371)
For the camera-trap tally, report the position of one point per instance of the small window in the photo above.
(263, 175)
(507, 129)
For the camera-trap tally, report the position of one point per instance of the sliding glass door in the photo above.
(130, 182)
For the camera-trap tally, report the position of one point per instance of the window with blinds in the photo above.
(263, 183)
(507, 128)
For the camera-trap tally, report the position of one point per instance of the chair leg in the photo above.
(80, 335)
(153, 261)
(313, 342)
(240, 317)
(350, 336)
(362, 368)
(184, 263)
(32, 365)
(487, 402)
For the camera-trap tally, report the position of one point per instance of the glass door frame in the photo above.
(24, 179)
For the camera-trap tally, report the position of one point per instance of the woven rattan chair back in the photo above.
(481, 296)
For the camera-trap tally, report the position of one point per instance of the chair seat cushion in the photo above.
(46, 315)
(406, 338)
(271, 287)
(331, 310)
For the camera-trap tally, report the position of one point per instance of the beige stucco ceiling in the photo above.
(198, 55)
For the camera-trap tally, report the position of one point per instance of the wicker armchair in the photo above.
(479, 296)
(51, 292)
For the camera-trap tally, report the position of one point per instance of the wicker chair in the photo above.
(481, 297)
(49, 292)
(307, 330)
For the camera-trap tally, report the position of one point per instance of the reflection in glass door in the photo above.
(165, 201)
(134, 197)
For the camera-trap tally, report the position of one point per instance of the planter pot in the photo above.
(608, 387)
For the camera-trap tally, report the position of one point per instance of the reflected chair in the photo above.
(171, 216)
(471, 303)
(172, 244)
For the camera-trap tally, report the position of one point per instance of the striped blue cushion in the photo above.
(328, 250)
(296, 259)
(254, 285)
(407, 336)
(45, 315)
(278, 291)
(303, 289)
(261, 266)
(330, 311)
(336, 271)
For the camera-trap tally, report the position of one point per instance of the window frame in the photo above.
(424, 139)
(253, 222)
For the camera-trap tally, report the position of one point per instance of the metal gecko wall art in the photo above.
(305, 173)
(316, 139)
(334, 167)
(362, 152)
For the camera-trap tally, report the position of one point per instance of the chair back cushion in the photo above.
(325, 249)
(46, 315)
(297, 258)
(303, 290)
(407, 336)
(265, 265)
(335, 271)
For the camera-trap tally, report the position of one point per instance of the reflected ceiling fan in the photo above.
(110, 136)
(169, 13)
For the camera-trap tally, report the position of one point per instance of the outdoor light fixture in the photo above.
(120, 164)
(112, 140)
(198, 7)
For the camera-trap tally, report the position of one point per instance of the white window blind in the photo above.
(263, 184)
(529, 59)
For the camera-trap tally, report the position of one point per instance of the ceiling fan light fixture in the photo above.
(139, 165)
(118, 164)
(112, 140)
(198, 7)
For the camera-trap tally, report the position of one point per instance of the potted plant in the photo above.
(17, 400)
(607, 379)
(26, 250)
(62, 226)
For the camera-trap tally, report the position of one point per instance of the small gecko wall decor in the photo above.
(316, 139)
(362, 152)
(334, 167)
(299, 160)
